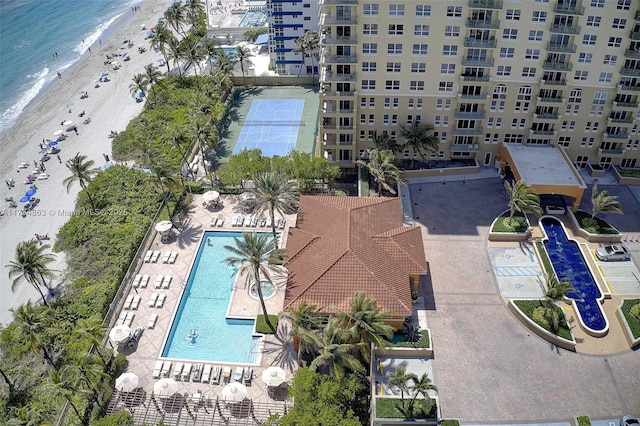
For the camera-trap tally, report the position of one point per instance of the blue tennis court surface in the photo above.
(272, 126)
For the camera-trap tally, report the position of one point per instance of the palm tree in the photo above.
(400, 379)
(382, 167)
(384, 142)
(603, 202)
(62, 383)
(194, 9)
(274, 192)
(522, 199)
(417, 139)
(90, 373)
(153, 76)
(334, 351)
(209, 47)
(175, 53)
(30, 265)
(251, 254)
(140, 84)
(201, 133)
(224, 62)
(194, 54)
(163, 178)
(160, 39)
(364, 324)
(555, 291)
(92, 330)
(312, 42)
(304, 319)
(421, 386)
(244, 55)
(82, 170)
(176, 16)
(30, 322)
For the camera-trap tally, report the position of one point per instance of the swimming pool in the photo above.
(568, 262)
(203, 309)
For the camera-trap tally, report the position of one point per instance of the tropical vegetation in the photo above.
(534, 309)
(602, 202)
(419, 139)
(508, 223)
(594, 225)
(383, 168)
(272, 192)
(555, 291)
(522, 198)
(631, 311)
(31, 266)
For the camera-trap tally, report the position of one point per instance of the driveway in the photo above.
(487, 365)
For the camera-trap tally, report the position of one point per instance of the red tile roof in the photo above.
(342, 245)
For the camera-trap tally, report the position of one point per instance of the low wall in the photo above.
(273, 80)
(593, 238)
(377, 421)
(631, 181)
(633, 342)
(595, 172)
(449, 171)
(569, 345)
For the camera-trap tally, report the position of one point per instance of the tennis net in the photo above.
(273, 123)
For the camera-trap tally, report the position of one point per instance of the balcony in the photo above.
(624, 88)
(339, 59)
(634, 35)
(543, 132)
(476, 78)
(485, 4)
(330, 93)
(620, 120)
(557, 66)
(336, 2)
(561, 48)
(471, 61)
(326, 19)
(485, 44)
(632, 54)
(473, 97)
(620, 135)
(611, 152)
(565, 29)
(459, 147)
(546, 116)
(550, 100)
(633, 72)
(561, 82)
(340, 40)
(476, 131)
(625, 105)
(464, 115)
(568, 9)
(337, 111)
(330, 76)
(334, 127)
(637, 15)
(481, 23)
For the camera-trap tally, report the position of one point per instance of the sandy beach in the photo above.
(109, 106)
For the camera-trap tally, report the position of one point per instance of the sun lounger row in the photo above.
(132, 302)
(162, 369)
(152, 256)
(217, 221)
(238, 220)
(170, 257)
(163, 281)
(126, 318)
(156, 300)
(152, 320)
(141, 281)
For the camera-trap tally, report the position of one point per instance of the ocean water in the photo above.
(32, 31)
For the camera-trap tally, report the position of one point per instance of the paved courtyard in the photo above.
(487, 365)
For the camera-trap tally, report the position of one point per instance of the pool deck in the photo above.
(142, 359)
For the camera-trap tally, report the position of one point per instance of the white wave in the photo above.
(91, 38)
(9, 116)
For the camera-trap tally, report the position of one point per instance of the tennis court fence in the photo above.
(265, 123)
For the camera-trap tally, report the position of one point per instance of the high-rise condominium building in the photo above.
(552, 72)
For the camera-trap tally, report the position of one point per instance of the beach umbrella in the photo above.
(30, 192)
(104, 74)
(43, 151)
(52, 143)
(274, 376)
(120, 334)
(164, 226)
(211, 196)
(67, 123)
(165, 387)
(105, 166)
(25, 199)
(234, 392)
(127, 382)
(57, 133)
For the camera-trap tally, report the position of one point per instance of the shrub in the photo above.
(518, 223)
(528, 306)
(121, 418)
(450, 422)
(633, 322)
(635, 311)
(393, 408)
(629, 173)
(423, 342)
(600, 226)
(584, 421)
(544, 257)
(539, 317)
(261, 324)
(194, 187)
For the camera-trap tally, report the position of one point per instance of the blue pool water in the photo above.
(203, 308)
(569, 263)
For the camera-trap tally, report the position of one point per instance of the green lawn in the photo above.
(634, 323)
(518, 223)
(600, 227)
(392, 408)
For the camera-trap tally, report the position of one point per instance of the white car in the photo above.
(613, 252)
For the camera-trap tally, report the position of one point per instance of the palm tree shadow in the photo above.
(282, 347)
(189, 236)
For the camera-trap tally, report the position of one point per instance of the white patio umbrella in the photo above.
(120, 334)
(127, 382)
(58, 133)
(234, 392)
(165, 387)
(211, 196)
(164, 226)
(274, 376)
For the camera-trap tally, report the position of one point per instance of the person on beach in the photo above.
(59, 159)
(75, 129)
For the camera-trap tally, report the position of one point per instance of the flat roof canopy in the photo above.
(544, 168)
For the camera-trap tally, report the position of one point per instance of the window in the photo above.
(418, 67)
(507, 52)
(396, 10)
(452, 31)
(439, 104)
(513, 15)
(514, 123)
(372, 119)
(499, 120)
(589, 40)
(585, 58)
(454, 11)
(371, 48)
(610, 59)
(600, 97)
(394, 48)
(307, 18)
(535, 35)
(564, 141)
(597, 4)
(528, 71)
(614, 42)
(368, 84)
(593, 21)
(419, 49)
(509, 33)
(523, 99)
(370, 9)
(623, 5)
(396, 29)
(385, 119)
(387, 103)
(416, 85)
(394, 119)
(532, 54)
(539, 16)
(449, 50)
(419, 103)
(363, 118)
(445, 86)
(503, 70)
(393, 66)
(605, 77)
(372, 101)
(421, 30)
(370, 29)
(423, 10)
(447, 68)
(436, 120)
(619, 23)
(581, 75)
(369, 67)
(392, 85)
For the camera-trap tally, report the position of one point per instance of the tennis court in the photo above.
(272, 125)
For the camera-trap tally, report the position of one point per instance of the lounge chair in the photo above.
(281, 223)
(186, 372)
(161, 298)
(152, 301)
(147, 257)
(155, 256)
(253, 221)
(152, 321)
(127, 301)
(263, 222)
(206, 373)
(248, 376)
(158, 369)
(129, 319)
(136, 302)
(166, 369)
(226, 375)
(240, 220)
(177, 372)
(215, 375)
(122, 317)
(268, 224)
(144, 281)
(237, 377)
(166, 282)
(159, 279)
(173, 256)
(234, 220)
(165, 258)
(136, 280)
(220, 220)
(197, 373)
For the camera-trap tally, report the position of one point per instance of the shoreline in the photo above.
(109, 106)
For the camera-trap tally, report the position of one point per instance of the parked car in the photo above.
(629, 421)
(613, 252)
